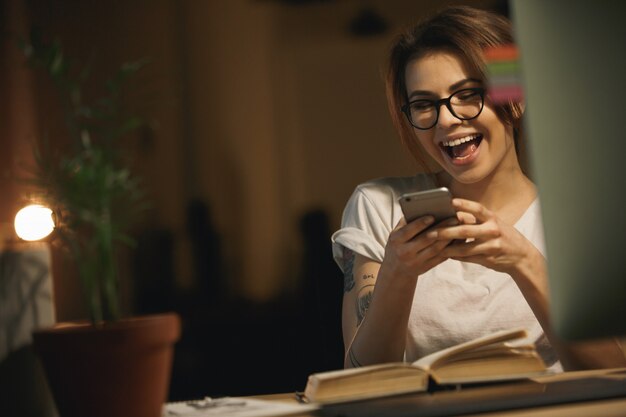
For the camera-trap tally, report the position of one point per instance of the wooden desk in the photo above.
(615, 407)
(603, 408)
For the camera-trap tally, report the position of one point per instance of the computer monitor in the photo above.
(573, 63)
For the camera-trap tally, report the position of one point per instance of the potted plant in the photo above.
(109, 365)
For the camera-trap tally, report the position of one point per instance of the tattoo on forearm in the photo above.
(367, 276)
(348, 276)
(353, 360)
(363, 302)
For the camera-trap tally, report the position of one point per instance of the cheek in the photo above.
(426, 142)
(496, 128)
(424, 138)
(504, 133)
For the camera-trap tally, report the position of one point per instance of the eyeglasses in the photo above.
(464, 104)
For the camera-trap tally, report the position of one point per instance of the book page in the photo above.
(344, 373)
(430, 361)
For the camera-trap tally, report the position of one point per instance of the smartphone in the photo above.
(436, 202)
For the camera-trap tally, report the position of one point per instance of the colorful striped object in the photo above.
(503, 74)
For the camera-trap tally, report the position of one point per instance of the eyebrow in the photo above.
(451, 88)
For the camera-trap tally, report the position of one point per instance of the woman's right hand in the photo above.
(410, 252)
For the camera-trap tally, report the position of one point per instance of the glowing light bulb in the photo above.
(34, 222)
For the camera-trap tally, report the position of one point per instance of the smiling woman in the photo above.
(464, 134)
(419, 287)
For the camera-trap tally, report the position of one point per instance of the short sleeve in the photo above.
(365, 225)
(371, 214)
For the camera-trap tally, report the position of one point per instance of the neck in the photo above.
(507, 191)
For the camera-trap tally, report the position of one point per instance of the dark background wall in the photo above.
(263, 116)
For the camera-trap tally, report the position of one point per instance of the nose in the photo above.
(446, 118)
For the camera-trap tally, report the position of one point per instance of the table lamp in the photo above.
(26, 303)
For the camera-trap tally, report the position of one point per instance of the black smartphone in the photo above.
(436, 202)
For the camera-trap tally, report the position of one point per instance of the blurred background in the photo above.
(262, 116)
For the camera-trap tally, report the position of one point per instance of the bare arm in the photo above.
(371, 332)
(378, 297)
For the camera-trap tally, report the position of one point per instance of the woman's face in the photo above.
(469, 150)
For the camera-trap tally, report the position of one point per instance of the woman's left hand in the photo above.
(484, 239)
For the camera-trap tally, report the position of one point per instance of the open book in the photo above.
(486, 359)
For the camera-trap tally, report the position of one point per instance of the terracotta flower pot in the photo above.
(119, 369)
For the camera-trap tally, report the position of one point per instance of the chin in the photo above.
(472, 176)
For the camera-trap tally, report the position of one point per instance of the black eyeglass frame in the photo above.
(446, 101)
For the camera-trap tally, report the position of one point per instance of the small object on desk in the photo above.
(483, 360)
(234, 407)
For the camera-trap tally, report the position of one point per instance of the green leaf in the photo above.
(95, 196)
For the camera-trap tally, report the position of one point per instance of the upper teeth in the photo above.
(459, 141)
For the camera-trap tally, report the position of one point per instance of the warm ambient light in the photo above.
(34, 222)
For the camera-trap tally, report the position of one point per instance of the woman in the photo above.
(412, 289)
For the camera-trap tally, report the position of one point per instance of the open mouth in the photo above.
(462, 148)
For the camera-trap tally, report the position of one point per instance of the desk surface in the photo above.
(602, 408)
(610, 407)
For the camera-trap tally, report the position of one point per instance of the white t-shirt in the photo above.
(455, 301)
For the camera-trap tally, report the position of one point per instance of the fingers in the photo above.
(443, 225)
(465, 218)
(434, 251)
(466, 251)
(476, 222)
(405, 232)
(414, 248)
(482, 253)
(428, 246)
(403, 238)
(476, 209)
(423, 254)
(484, 231)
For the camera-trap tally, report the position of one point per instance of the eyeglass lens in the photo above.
(463, 104)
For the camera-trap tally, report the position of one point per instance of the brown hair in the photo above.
(459, 29)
